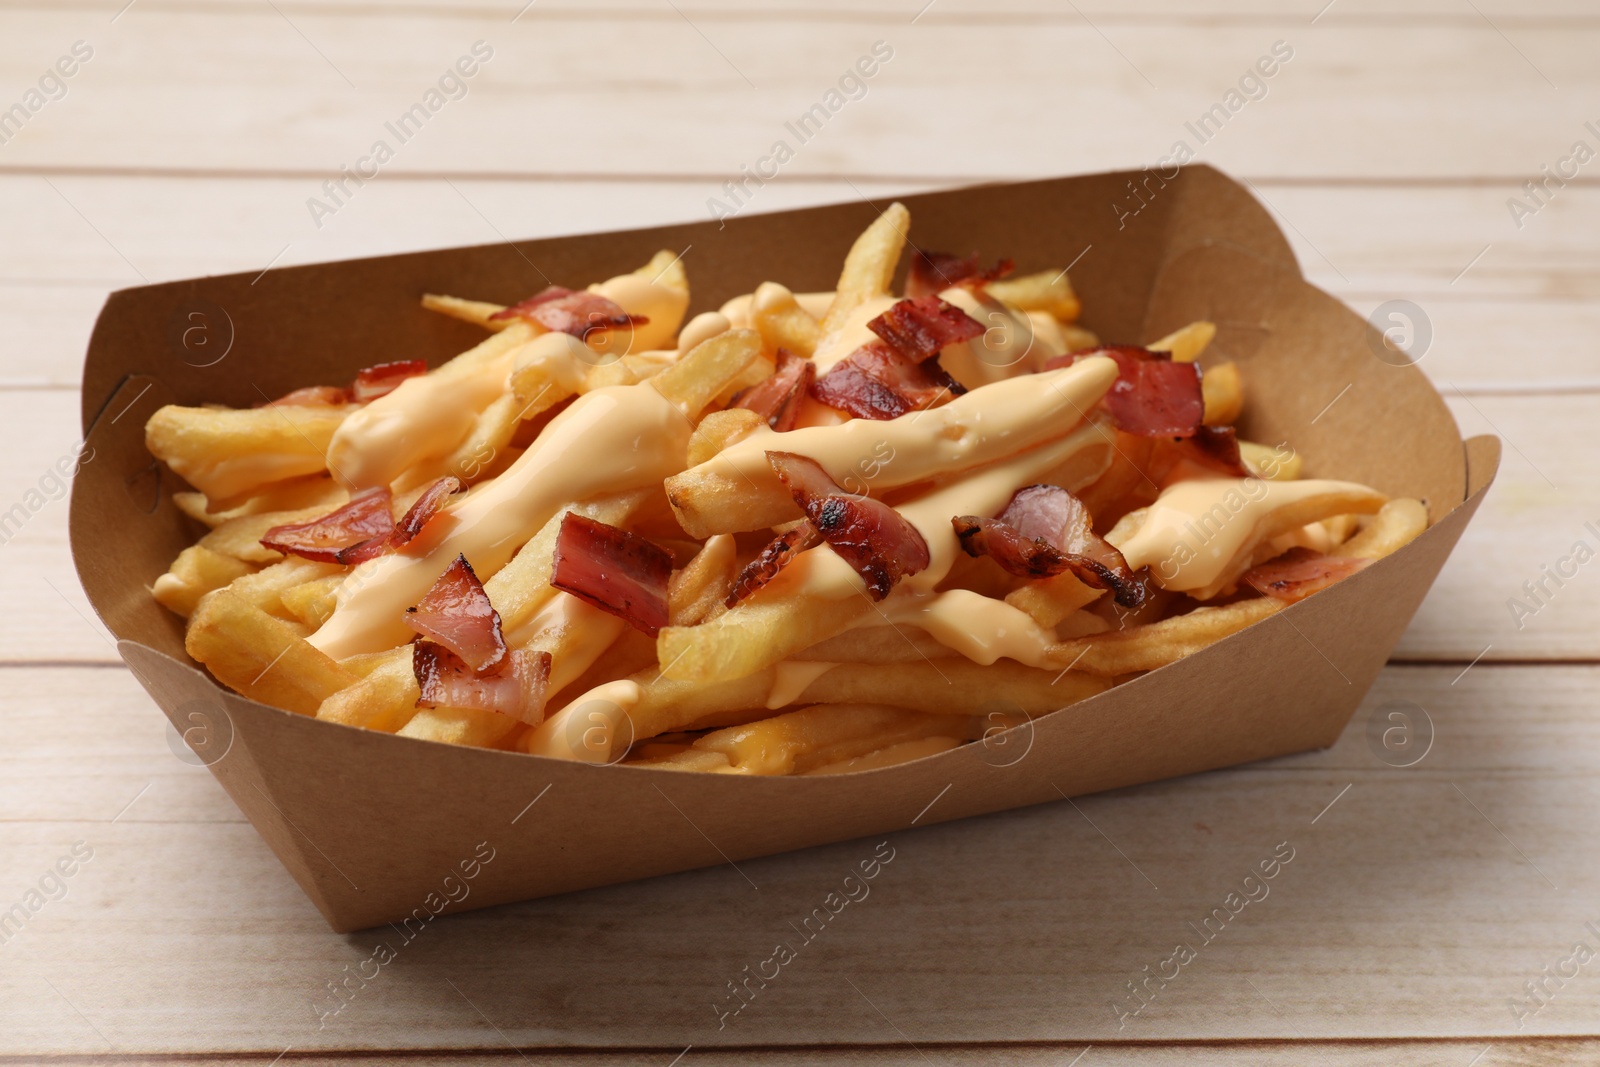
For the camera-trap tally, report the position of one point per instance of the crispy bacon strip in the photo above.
(578, 313)
(383, 378)
(317, 395)
(517, 689)
(934, 272)
(919, 329)
(424, 508)
(772, 559)
(1216, 447)
(868, 534)
(876, 382)
(1298, 573)
(456, 613)
(341, 536)
(1152, 396)
(1044, 531)
(613, 569)
(778, 398)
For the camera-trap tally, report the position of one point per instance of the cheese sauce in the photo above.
(608, 440)
(978, 428)
(1196, 529)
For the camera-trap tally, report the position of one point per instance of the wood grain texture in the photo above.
(1420, 900)
(1415, 905)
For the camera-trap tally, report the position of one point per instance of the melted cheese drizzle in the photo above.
(790, 678)
(424, 417)
(608, 440)
(1196, 529)
(586, 729)
(586, 633)
(980, 628)
(639, 295)
(978, 428)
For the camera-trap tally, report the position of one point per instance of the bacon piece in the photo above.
(778, 398)
(920, 329)
(1216, 447)
(1044, 531)
(868, 534)
(772, 559)
(877, 382)
(613, 569)
(317, 395)
(457, 614)
(1298, 573)
(1152, 396)
(517, 689)
(383, 378)
(341, 536)
(578, 313)
(934, 272)
(424, 508)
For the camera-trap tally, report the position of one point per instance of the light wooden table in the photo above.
(1420, 900)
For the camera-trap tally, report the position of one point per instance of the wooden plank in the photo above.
(1532, 292)
(1123, 99)
(1404, 913)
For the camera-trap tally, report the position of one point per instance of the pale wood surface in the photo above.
(1416, 905)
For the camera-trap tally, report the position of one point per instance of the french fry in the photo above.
(890, 756)
(1050, 600)
(224, 453)
(1396, 524)
(312, 602)
(754, 634)
(1186, 344)
(877, 644)
(782, 322)
(1223, 392)
(736, 489)
(1049, 291)
(294, 494)
(1075, 337)
(241, 537)
(259, 655)
(1281, 464)
(265, 588)
(869, 265)
(696, 593)
(476, 312)
(696, 379)
(197, 571)
(718, 430)
(799, 741)
(1156, 644)
(666, 268)
(685, 758)
(385, 698)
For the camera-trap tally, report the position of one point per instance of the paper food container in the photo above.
(371, 825)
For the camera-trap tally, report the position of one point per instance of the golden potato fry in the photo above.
(476, 312)
(1050, 600)
(1186, 344)
(696, 593)
(1144, 648)
(1281, 464)
(385, 698)
(1074, 337)
(753, 635)
(224, 453)
(1396, 524)
(259, 655)
(696, 379)
(294, 494)
(197, 571)
(666, 268)
(890, 755)
(782, 322)
(1223, 392)
(312, 602)
(1049, 291)
(684, 758)
(877, 644)
(869, 266)
(718, 430)
(799, 741)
